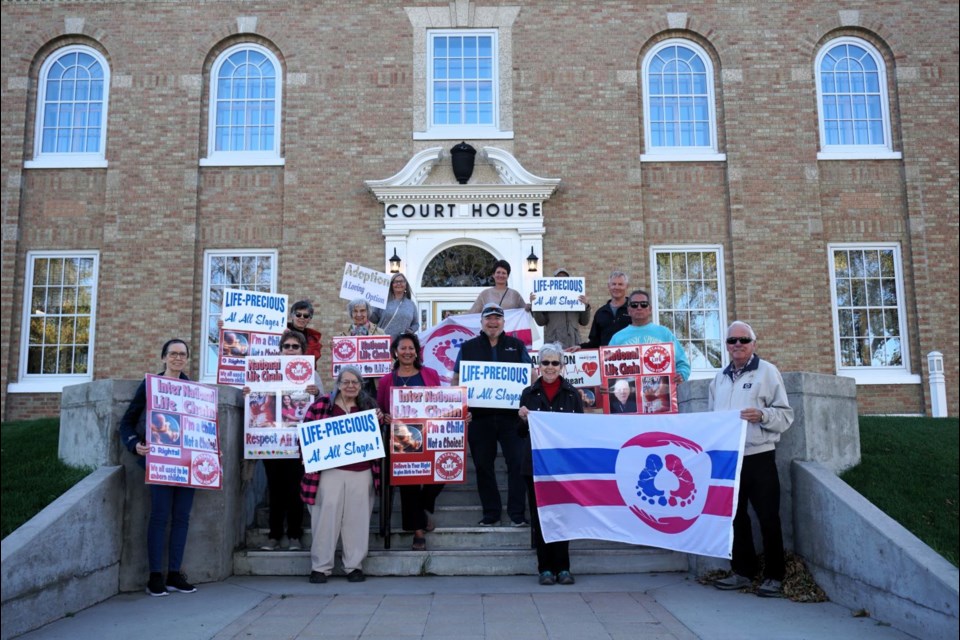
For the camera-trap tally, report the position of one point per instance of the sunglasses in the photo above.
(303, 315)
(642, 305)
(739, 340)
(550, 363)
(291, 345)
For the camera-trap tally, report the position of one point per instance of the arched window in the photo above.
(460, 266)
(852, 99)
(678, 103)
(71, 125)
(245, 97)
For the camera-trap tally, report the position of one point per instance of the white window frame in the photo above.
(464, 131)
(69, 160)
(710, 153)
(243, 158)
(53, 383)
(855, 151)
(208, 255)
(699, 373)
(873, 375)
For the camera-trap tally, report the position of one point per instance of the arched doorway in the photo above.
(451, 281)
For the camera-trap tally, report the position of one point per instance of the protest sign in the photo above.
(428, 437)
(369, 284)
(580, 368)
(335, 442)
(254, 311)
(494, 384)
(558, 294)
(181, 429)
(276, 404)
(369, 354)
(666, 481)
(648, 370)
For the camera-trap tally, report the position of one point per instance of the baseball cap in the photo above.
(491, 309)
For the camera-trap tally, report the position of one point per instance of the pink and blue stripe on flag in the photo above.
(667, 481)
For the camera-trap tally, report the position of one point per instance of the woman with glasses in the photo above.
(301, 313)
(417, 502)
(168, 504)
(340, 500)
(549, 393)
(284, 474)
(400, 315)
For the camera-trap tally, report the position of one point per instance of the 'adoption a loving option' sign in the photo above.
(182, 434)
(494, 385)
(335, 442)
(558, 294)
(369, 284)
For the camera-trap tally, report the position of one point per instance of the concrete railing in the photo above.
(864, 559)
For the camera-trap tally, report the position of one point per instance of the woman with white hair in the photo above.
(549, 393)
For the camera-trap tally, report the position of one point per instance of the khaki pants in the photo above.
(343, 510)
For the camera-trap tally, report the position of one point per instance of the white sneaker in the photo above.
(270, 545)
(295, 544)
(732, 582)
(770, 589)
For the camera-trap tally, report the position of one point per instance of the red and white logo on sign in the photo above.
(344, 350)
(206, 470)
(298, 372)
(449, 466)
(657, 359)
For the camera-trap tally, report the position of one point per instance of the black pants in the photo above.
(551, 556)
(283, 485)
(414, 500)
(483, 434)
(760, 485)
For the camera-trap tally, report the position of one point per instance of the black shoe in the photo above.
(317, 577)
(356, 576)
(155, 586)
(489, 522)
(176, 581)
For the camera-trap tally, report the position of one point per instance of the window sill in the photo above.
(242, 160)
(463, 133)
(681, 156)
(66, 162)
(703, 375)
(867, 376)
(54, 385)
(860, 154)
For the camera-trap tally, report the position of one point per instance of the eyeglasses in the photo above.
(550, 363)
(643, 305)
(739, 340)
(291, 345)
(349, 383)
(177, 354)
(302, 315)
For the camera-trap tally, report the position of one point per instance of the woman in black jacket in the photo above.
(549, 393)
(165, 500)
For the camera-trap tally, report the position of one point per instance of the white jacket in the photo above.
(760, 386)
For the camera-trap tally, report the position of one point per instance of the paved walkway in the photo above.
(628, 607)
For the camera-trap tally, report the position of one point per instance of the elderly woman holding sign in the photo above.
(340, 500)
(400, 316)
(417, 502)
(166, 502)
(549, 393)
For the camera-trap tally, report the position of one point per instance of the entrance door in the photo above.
(451, 282)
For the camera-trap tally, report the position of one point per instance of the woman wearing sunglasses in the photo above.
(549, 393)
(301, 313)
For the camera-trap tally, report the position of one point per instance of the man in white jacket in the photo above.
(756, 388)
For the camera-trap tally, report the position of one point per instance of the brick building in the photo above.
(789, 164)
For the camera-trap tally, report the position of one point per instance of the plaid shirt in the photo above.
(319, 410)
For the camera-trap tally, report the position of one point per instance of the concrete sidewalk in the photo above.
(627, 606)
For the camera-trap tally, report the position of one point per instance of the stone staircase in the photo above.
(458, 546)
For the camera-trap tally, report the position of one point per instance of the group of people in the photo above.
(340, 500)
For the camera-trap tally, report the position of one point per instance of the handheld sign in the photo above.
(580, 368)
(649, 371)
(182, 434)
(369, 284)
(276, 404)
(428, 435)
(254, 311)
(558, 294)
(335, 442)
(370, 354)
(495, 385)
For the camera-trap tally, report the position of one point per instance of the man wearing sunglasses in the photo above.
(754, 386)
(643, 330)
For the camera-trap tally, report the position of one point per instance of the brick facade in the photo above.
(577, 114)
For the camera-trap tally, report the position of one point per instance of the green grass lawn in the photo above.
(31, 474)
(909, 469)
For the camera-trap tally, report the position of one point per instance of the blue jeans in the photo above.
(165, 501)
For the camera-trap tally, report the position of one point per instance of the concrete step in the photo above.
(466, 562)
